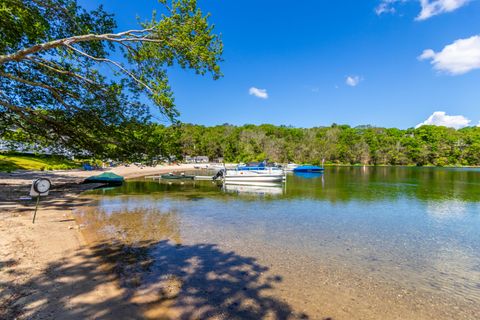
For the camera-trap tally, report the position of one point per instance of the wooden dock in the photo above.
(203, 178)
(196, 177)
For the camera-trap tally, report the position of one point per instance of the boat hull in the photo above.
(254, 177)
(308, 169)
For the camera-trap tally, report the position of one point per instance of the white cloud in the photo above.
(432, 8)
(460, 57)
(353, 81)
(429, 8)
(387, 6)
(440, 118)
(259, 93)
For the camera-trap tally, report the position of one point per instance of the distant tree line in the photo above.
(337, 144)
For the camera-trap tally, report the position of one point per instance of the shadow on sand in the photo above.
(159, 279)
(61, 197)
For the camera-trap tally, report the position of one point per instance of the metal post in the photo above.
(36, 207)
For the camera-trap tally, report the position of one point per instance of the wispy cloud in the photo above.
(429, 8)
(259, 93)
(460, 57)
(440, 118)
(387, 6)
(432, 8)
(353, 81)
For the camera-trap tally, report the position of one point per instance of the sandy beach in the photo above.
(47, 270)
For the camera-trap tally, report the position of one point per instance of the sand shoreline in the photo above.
(47, 269)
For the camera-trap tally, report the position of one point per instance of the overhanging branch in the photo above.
(118, 65)
(133, 35)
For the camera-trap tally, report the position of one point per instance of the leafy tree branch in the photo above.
(52, 83)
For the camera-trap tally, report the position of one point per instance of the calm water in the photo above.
(354, 243)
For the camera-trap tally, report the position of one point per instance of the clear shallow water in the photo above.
(355, 242)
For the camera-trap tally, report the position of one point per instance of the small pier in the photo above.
(196, 178)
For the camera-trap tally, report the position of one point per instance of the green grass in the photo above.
(12, 162)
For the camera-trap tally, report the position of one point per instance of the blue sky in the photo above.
(389, 63)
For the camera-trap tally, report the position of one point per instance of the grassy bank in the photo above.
(11, 162)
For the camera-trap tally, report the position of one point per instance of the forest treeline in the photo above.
(337, 144)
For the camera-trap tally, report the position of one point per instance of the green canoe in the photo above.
(106, 177)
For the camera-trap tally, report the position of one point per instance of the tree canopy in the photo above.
(337, 144)
(69, 79)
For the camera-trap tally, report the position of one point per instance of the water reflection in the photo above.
(388, 183)
(309, 175)
(262, 189)
(341, 184)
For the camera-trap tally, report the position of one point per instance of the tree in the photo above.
(427, 145)
(68, 79)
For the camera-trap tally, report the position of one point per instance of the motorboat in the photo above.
(290, 167)
(259, 166)
(263, 175)
(308, 168)
(267, 174)
(216, 166)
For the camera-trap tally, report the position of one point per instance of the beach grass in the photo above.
(12, 162)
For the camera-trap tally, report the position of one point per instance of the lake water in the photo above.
(353, 243)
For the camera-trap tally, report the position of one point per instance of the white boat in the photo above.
(217, 166)
(264, 175)
(289, 167)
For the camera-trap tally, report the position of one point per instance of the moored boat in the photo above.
(263, 175)
(308, 168)
(290, 167)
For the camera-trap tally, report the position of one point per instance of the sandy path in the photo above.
(46, 269)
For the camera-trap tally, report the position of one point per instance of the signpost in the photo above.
(40, 188)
